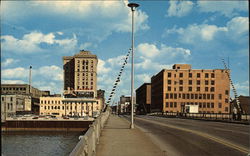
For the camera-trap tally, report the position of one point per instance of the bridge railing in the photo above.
(212, 116)
(88, 142)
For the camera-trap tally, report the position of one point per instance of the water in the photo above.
(39, 143)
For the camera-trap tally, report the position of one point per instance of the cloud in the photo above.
(235, 29)
(9, 61)
(50, 72)
(12, 82)
(108, 16)
(226, 8)
(34, 42)
(14, 73)
(145, 78)
(101, 69)
(179, 8)
(242, 88)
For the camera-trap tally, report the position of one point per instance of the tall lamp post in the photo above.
(132, 6)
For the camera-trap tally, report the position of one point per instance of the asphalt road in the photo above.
(186, 137)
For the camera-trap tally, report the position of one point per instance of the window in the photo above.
(41, 101)
(181, 82)
(184, 96)
(175, 104)
(171, 104)
(206, 75)
(204, 96)
(181, 75)
(200, 96)
(190, 89)
(179, 95)
(44, 107)
(11, 98)
(206, 89)
(198, 89)
(171, 95)
(167, 104)
(192, 96)
(226, 92)
(212, 82)
(167, 96)
(2, 98)
(190, 82)
(212, 105)
(200, 105)
(212, 96)
(198, 82)
(208, 96)
(204, 104)
(175, 96)
(169, 82)
(190, 75)
(219, 105)
(169, 74)
(206, 82)
(187, 96)
(212, 75)
(169, 88)
(212, 89)
(196, 96)
(226, 100)
(48, 102)
(198, 75)
(180, 88)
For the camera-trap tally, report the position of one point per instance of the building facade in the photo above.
(173, 90)
(244, 104)
(143, 98)
(80, 74)
(60, 106)
(12, 104)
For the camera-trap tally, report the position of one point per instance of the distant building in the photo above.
(174, 90)
(143, 98)
(22, 89)
(244, 104)
(80, 74)
(60, 106)
(20, 99)
(124, 105)
(14, 104)
(80, 86)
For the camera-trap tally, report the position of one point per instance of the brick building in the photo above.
(172, 90)
(143, 98)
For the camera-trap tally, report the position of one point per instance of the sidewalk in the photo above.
(117, 139)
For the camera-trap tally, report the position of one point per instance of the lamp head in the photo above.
(133, 6)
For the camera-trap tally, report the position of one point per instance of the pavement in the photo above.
(117, 139)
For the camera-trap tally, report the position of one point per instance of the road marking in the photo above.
(221, 141)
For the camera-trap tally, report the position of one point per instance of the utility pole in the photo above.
(132, 6)
(30, 80)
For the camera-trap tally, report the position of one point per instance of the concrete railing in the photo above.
(88, 142)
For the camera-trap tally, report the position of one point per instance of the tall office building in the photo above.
(174, 89)
(80, 74)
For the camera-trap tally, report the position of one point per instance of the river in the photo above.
(39, 143)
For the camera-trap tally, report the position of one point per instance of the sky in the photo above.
(200, 33)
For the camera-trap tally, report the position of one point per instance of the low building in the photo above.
(12, 105)
(124, 104)
(143, 98)
(244, 104)
(174, 89)
(60, 106)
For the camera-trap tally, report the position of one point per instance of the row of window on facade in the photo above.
(190, 89)
(201, 105)
(83, 74)
(67, 107)
(198, 75)
(85, 62)
(14, 88)
(190, 82)
(59, 102)
(11, 98)
(85, 68)
(193, 96)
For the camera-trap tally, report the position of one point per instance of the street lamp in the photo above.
(132, 6)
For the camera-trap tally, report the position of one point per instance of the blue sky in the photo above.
(200, 33)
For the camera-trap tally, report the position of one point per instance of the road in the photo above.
(184, 137)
